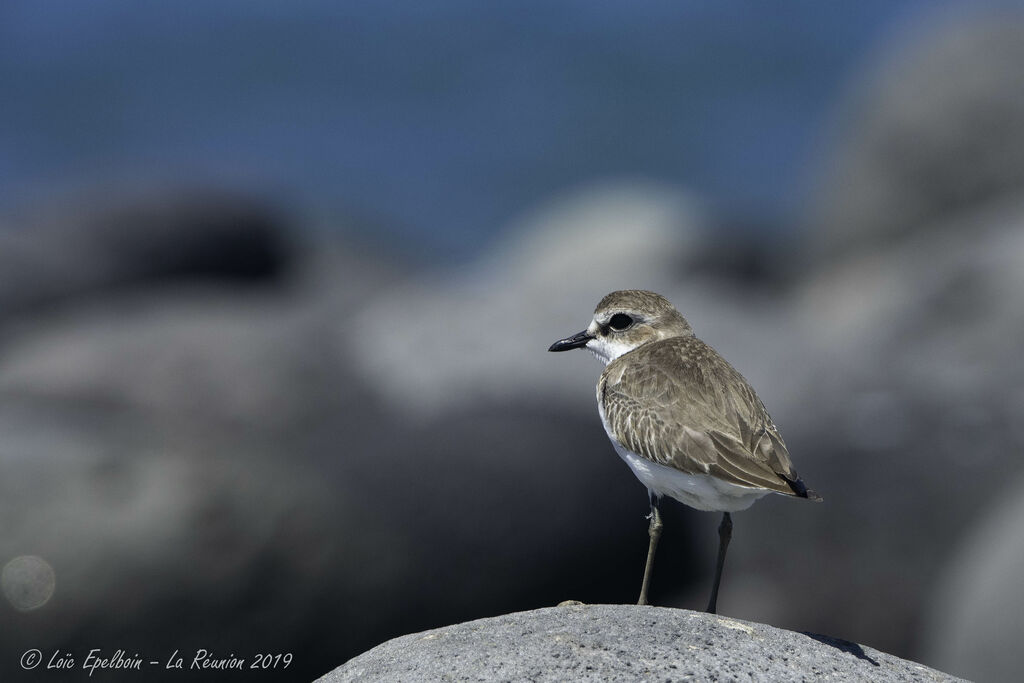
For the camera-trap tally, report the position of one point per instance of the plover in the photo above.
(684, 420)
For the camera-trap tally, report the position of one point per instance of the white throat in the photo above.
(606, 350)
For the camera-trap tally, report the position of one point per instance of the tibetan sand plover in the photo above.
(684, 420)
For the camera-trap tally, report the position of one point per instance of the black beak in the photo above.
(576, 341)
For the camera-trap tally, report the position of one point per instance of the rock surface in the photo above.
(623, 643)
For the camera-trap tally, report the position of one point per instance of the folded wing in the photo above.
(678, 403)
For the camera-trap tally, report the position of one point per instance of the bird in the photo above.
(685, 421)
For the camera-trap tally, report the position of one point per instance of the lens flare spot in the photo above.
(28, 582)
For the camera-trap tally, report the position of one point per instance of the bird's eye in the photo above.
(620, 321)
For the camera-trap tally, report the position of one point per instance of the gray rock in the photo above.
(622, 643)
(319, 446)
(485, 327)
(205, 458)
(976, 626)
(871, 367)
(933, 126)
(906, 416)
(95, 245)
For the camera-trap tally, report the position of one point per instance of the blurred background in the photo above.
(277, 281)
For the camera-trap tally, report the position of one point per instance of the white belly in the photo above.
(700, 491)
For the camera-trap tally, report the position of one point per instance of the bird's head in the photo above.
(626, 320)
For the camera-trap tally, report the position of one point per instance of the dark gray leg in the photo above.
(654, 531)
(724, 535)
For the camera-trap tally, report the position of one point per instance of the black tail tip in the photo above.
(801, 490)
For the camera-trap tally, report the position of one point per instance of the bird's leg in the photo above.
(654, 531)
(724, 535)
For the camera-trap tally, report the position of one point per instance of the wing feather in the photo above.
(678, 403)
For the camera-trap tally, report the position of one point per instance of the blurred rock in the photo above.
(80, 248)
(198, 461)
(907, 415)
(158, 539)
(935, 126)
(975, 621)
(622, 643)
(906, 404)
(354, 451)
(143, 461)
(442, 343)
